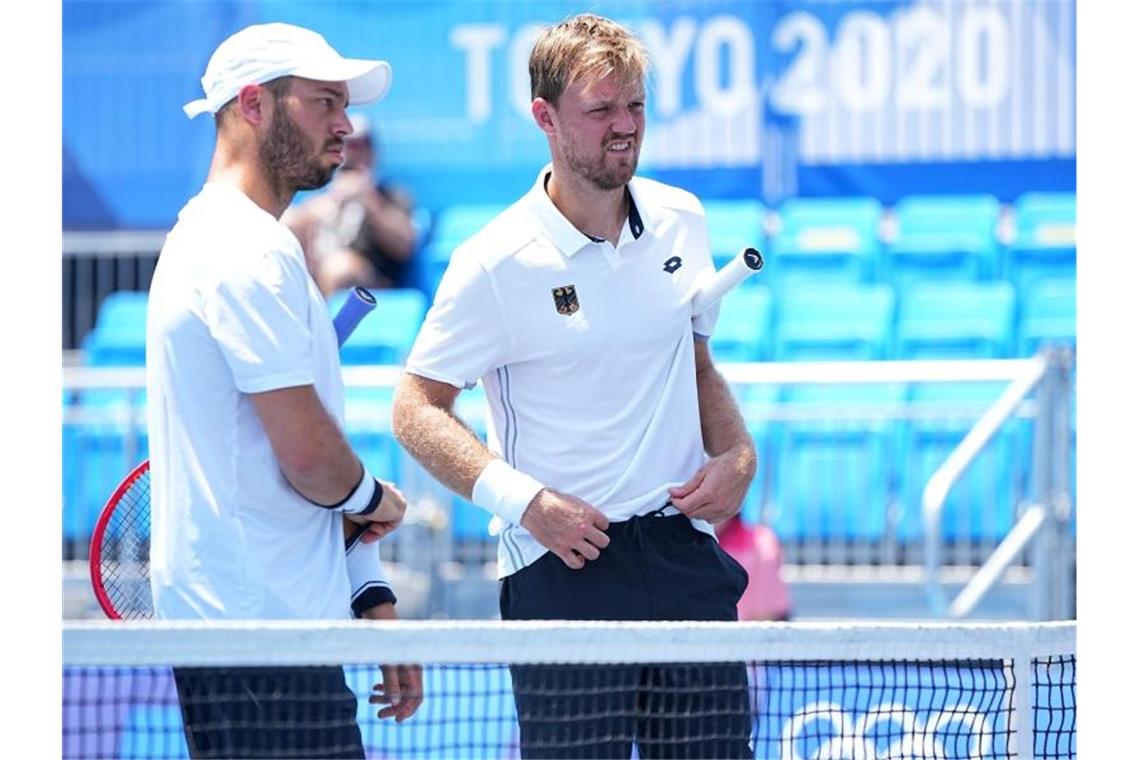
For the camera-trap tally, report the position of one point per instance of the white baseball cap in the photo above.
(263, 52)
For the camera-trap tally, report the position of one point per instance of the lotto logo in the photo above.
(825, 731)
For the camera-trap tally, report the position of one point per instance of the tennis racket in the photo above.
(713, 288)
(120, 543)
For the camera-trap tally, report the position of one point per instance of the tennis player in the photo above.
(614, 441)
(254, 484)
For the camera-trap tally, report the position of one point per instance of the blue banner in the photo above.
(746, 99)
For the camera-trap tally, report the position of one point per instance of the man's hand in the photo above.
(350, 185)
(401, 687)
(386, 518)
(567, 526)
(717, 489)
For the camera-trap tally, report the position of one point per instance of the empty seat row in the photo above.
(758, 322)
(838, 462)
(961, 237)
(867, 321)
(857, 239)
(119, 335)
(849, 462)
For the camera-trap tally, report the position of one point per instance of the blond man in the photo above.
(614, 442)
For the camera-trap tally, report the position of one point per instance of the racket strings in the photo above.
(125, 553)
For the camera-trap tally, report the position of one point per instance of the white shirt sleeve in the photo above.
(257, 314)
(464, 334)
(705, 322)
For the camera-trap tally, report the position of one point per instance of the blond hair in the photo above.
(583, 46)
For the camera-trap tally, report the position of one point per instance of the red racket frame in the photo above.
(95, 564)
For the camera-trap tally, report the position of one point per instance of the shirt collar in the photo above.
(566, 237)
(640, 218)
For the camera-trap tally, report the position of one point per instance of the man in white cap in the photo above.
(254, 485)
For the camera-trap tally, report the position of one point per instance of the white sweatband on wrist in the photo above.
(366, 577)
(364, 499)
(504, 491)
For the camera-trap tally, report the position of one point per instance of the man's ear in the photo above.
(252, 103)
(544, 115)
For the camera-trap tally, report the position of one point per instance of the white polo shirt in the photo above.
(585, 350)
(233, 311)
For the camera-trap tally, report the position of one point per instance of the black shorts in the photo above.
(655, 568)
(298, 712)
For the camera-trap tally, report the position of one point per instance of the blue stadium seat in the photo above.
(469, 523)
(386, 335)
(98, 452)
(123, 308)
(826, 239)
(383, 337)
(734, 225)
(1048, 316)
(453, 225)
(956, 320)
(1044, 244)
(832, 472)
(981, 505)
(123, 346)
(368, 427)
(834, 321)
(77, 519)
(99, 448)
(757, 404)
(743, 329)
(943, 237)
(119, 336)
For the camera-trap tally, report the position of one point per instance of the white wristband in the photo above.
(504, 491)
(367, 579)
(364, 498)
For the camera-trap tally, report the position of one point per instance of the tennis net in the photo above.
(786, 691)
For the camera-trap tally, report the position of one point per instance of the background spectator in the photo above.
(360, 230)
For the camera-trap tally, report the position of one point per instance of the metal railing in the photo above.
(937, 489)
(96, 264)
(1041, 526)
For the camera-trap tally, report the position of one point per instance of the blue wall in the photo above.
(759, 99)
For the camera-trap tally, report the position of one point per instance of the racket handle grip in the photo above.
(355, 308)
(713, 288)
